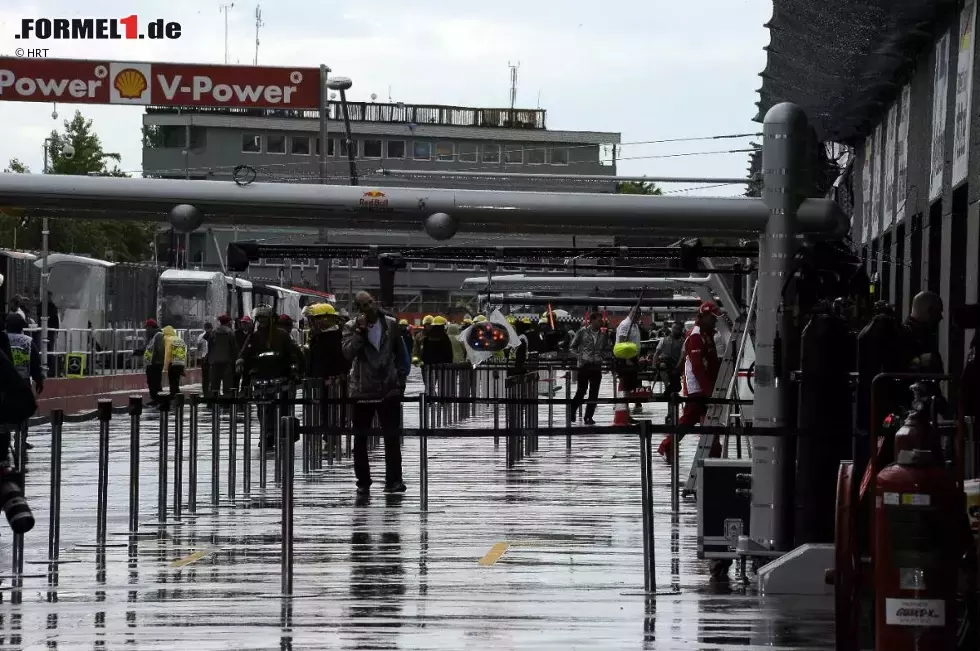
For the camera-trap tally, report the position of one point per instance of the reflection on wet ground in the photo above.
(547, 555)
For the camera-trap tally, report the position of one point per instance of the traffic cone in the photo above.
(621, 417)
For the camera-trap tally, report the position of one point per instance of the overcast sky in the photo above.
(651, 70)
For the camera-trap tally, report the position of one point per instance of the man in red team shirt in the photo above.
(699, 370)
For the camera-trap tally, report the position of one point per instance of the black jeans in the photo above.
(588, 378)
(154, 380)
(174, 373)
(206, 379)
(389, 413)
(222, 378)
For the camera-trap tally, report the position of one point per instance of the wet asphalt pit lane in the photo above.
(544, 555)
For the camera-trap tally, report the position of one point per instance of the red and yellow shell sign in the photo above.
(130, 83)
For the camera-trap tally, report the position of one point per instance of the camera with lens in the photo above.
(12, 501)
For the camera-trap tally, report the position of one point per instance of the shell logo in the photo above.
(130, 83)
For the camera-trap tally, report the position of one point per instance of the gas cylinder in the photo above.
(917, 546)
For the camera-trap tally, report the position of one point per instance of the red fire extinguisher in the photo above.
(917, 544)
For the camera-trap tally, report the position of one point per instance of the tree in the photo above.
(638, 187)
(126, 241)
(16, 167)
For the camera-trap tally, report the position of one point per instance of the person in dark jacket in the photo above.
(435, 349)
(222, 353)
(203, 350)
(153, 361)
(379, 368)
(406, 334)
(325, 358)
(269, 363)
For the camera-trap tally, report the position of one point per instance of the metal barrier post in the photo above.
(17, 545)
(54, 524)
(288, 424)
(496, 407)
(278, 415)
(192, 455)
(215, 454)
(162, 465)
(246, 451)
(646, 501)
(233, 446)
(307, 423)
(551, 394)
(179, 456)
(675, 454)
(423, 455)
(135, 411)
(263, 440)
(568, 409)
(105, 416)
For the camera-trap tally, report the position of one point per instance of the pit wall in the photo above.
(82, 394)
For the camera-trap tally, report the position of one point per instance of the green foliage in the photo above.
(16, 167)
(122, 241)
(638, 187)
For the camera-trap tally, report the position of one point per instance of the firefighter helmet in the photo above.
(322, 309)
(427, 320)
(439, 321)
(479, 318)
(403, 322)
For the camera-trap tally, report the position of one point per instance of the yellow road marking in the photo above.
(193, 558)
(495, 553)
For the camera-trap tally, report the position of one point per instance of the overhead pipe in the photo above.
(386, 208)
(566, 177)
(596, 301)
(523, 282)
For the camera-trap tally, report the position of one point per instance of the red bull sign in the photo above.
(375, 200)
(160, 84)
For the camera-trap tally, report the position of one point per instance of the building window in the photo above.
(467, 152)
(514, 155)
(491, 153)
(275, 144)
(559, 156)
(299, 145)
(251, 143)
(372, 149)
(343, 147)
(422, 150)
(445, 151)
(535, 155)
(331, 149)
(396, 149)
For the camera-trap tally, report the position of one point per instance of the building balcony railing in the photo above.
(457, 116)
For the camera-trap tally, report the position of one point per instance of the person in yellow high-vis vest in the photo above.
(174, 358)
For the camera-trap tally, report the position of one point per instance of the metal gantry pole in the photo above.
(288, 424)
